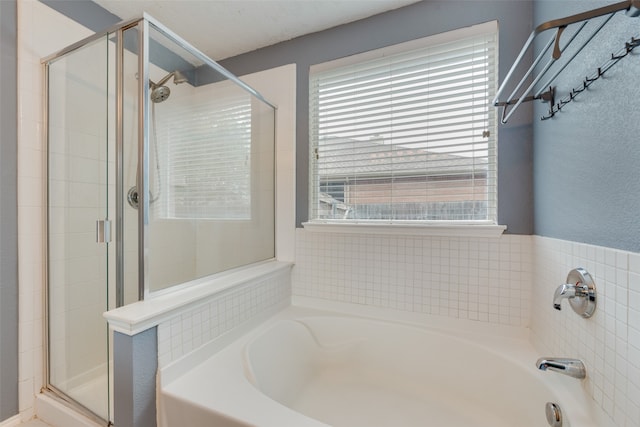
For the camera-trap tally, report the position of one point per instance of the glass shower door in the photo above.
(79, 160)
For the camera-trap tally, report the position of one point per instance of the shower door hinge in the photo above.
(103, 231)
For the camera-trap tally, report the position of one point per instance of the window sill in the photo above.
(467, 229)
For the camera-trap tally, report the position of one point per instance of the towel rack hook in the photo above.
(517, 97)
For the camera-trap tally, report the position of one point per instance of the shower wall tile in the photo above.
(197, 326)
(486, 280)
(278, 85)
(492, 280)
(41, 31)
(203, 324)
(168, 266)
(609, 341)
(481, 279)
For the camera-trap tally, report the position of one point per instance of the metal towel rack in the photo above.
(546, 92)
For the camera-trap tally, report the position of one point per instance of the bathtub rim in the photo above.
(476, 333)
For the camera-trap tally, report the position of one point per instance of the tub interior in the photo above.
(352, 372)
(312, 368)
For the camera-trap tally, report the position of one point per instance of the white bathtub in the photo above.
(309, 368)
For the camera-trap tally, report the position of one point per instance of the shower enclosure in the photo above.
(160, 172)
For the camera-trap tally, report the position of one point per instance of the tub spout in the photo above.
(571, 367)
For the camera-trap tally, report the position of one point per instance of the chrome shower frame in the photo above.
(144, 116)
(142, 25)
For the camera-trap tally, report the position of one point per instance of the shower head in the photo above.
(159, 92)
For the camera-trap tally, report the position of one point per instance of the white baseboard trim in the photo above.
(11, 422)
(58, 414)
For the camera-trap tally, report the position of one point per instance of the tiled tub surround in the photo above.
(475, 278)
(502, 283)
(194, 316)
(184, 324)
(201, 324)
(609, 341)
(508, 280)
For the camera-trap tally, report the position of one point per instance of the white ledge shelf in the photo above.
(423, 229)
(142, 315)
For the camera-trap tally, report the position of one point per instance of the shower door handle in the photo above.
(103, 231)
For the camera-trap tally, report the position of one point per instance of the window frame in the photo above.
(483, 227)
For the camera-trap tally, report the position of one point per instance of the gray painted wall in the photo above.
(587, 158)
(134, 378)
(515, 192)
(90, 14)
(515, 184)
(8, 212)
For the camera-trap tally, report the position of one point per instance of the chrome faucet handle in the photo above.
(580, 290)
(563, 291)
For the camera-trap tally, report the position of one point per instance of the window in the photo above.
(408, 135)
(204, 143)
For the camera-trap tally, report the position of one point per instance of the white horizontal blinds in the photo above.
(205, 140)
(410, 136)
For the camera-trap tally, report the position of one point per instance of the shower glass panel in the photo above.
(78, 187)
(160, 171)
(127, 268)
(211, 169)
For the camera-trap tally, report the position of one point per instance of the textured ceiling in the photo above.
(225, 28)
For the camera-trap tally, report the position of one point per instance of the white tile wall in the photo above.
(41, 31)
(77, 279)
(483, 279)
(278, 86)
(219, 314)
(608, 342)
(470, 278)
